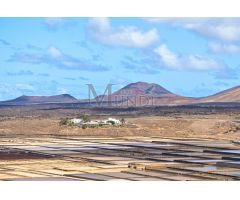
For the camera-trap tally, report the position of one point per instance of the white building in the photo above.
(76, 121)
(116, 121)
(109, 121)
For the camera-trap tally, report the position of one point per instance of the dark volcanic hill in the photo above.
(28, 100)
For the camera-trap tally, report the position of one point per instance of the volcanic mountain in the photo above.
(28, 100)
(229, 95)
(143, 88)
(142, 93)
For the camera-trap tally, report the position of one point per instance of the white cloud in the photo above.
(10, 91)
(223, 48)
(55, 23)
(224, 31)
(126, 36)
(21, 86)
(168, 57)
(221, 28)
(102, 24)
(54, 56)
(175, 21)
(61, 90)
(176, 61)
(54, 52)
(201, 63)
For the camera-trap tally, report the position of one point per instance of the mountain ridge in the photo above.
(228, 95)
(131, 92)
(24, 99)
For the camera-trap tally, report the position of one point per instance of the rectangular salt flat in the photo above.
(94, 177)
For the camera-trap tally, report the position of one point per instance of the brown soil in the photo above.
(178, 124)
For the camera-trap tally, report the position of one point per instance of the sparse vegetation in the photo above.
(84, 126)
(85, 118)
(122, 121)
(66, 122)
(111, 122)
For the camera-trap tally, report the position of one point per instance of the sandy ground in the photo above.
(218, 126)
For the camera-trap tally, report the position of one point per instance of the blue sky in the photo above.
(48, 56)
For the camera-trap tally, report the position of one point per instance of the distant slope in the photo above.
(229, 95)
(25, 100)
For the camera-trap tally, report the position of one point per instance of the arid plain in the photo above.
(160, 143)
(215, 123)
